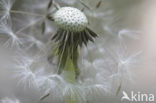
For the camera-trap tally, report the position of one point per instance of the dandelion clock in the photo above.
(60, 55)
(72, 33)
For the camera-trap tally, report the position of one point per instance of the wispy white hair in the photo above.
(5, 6)
(9, 100)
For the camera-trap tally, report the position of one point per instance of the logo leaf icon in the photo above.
(125, 96)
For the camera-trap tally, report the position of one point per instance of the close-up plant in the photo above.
(68, 51)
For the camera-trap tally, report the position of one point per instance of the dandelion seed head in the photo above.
(72, 19)
(100, 65)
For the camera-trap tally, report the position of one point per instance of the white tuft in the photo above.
(129, 33)
(25, 73)
(7, 31)
(5, 7)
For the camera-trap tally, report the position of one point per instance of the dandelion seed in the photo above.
(99, 4)
(6, 29)
(124, 67)
(5, 7)
(27, 77)
(25, 72)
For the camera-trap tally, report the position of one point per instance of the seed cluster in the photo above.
(72, 19)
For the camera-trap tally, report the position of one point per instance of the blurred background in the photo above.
(132, 14)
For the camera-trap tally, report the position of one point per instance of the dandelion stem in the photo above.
(70, 75)
(26, 13)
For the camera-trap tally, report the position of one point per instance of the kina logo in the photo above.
(137, 97)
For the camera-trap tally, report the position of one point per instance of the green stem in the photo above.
(70, 100)
(68, 64)
(70, 72)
